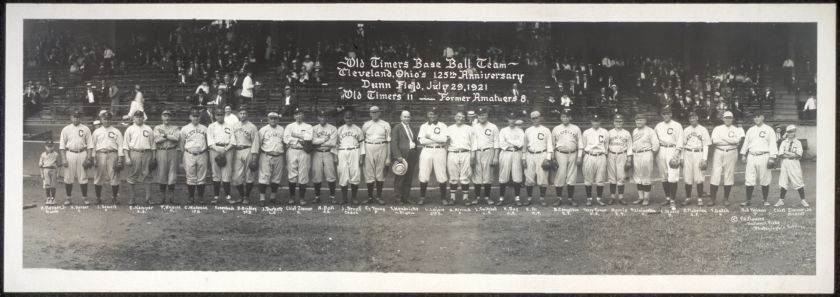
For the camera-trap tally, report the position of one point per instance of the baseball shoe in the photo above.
(699, 201)
(779, 203)
(517, 201)
(86, 202)
(501, 201)
(588, 201)
(542, 202)
(98, 201)
(215, 200)
(637, 201)
(527, 201)
(263, 203)
(725, 202)
(572, 201)
(621, 201)
(114, 201)
(316, 200)
(421, 201)
(804, 203)
(245, 201)
(50, 201)
(711, 202)
(131, 202)
(666, 202)
(646, 202)
(745, 203)
(558, 202)
(766, 203)
(673, 205)
(302, 201)
(488, 200)
(598, 200)
(686, 201)
(380, 201)
(67, 202)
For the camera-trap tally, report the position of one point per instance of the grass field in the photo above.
(430, 239)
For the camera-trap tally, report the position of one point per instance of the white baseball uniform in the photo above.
(695, 151)
(107, 147)
(433, 137)
(619, 147)
(538, 143)
(594, 142)
(247, 145)
(75, 140)
(790, 176)
(377, 151)
(459, 153)
(323, 160)
(220, 142)
(272, 156)
(725, 140)
(759, 146)
(166, 137)
(139, 146)
(194, 145)
(485, 142)
(297, 160)
(349, 149)
(670, 136)
(645, 144)
(511, 142)
(567, 147)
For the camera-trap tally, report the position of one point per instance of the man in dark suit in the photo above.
(404, 147)
(288, 103)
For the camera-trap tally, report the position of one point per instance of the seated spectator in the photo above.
(768, 97)
(202, 89)
(809, 111)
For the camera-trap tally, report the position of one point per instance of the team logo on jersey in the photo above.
(540, 136)
(437, 130)
(81, 133)
(227, 130)
(600, 138)
(670, 131)
(731, 134)
(145, 133)
(762, 134)
(111, 135)
(488, 132)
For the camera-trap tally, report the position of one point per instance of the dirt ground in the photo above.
(429, 239)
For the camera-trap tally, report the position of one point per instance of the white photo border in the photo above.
(17, 279)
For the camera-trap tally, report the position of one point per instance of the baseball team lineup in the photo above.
(232, 152)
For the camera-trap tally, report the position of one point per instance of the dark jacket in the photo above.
(400, 143)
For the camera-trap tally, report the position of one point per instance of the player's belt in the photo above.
(297, 148)
(106, 151)
(616, 153)
(595, 154)
(348, 148)
(168, 148)
(221, 144)
(273, 154)
(537, 152)
(642, 151)
(381, 142)
(196, 153)
(141, 150)
(75, 151)
(53, 167)
(459, 151)
(511, 150)
(694, 150)
(759, 153)
(484, 149)
(323, 150)
(565, 152)
(725, 150)
(242, 147)
(668, 145)
(790, 158)
(433, 146)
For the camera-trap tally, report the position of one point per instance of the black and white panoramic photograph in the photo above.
(527, 148)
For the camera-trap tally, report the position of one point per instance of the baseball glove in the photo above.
(628, 166)
(253, 165)
(118, 165)
(703, 165)
(221, 160)
(771, 163)
(153, 164)
(674, 163)
(308, 147)
(88, 163)
(549, 165)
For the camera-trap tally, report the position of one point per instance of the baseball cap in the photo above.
(758, 113)
(595, 118)
(727, 114)
(565, 113)
(618, 117)
(535, 114)
(470, 113)
(167, 112)
(482, 111)
(139, 114)
(322, 113)
(195, 113)
(219, 111)
(790, 128)
(374, 108)
(273, 115)
(97, 122)
(692, 114)
(76, 114)
(640, 116)
(666, 111)
(105, 114)
(511, 115)
(518, 122)
(298, 110)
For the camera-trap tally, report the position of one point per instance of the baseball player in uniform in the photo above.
(432, 137)
(75, 145)
(220, 141)
(670, 137)
(759, 152)
(485, 144)
(48, 163)
(790, 177)
(377, 153)
(567, 152)
(193, 142)
(350, 156)
(272, 157)
(695, 152)
(108, 148)
(297, 158)
(139, 150)
(247, 146)
(619, 153)
(324, 137)
(538, 143)
(166, 139)
(459, 159)
(645, 145)
(511, 142)
(725, 140)
(594, 143)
